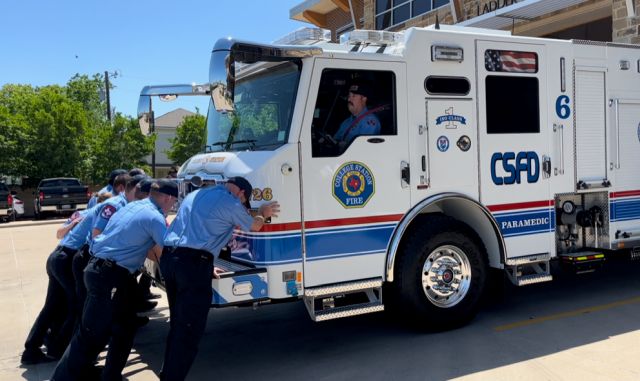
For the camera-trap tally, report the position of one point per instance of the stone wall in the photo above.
(626, 28)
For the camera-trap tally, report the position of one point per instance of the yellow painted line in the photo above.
(568, 314)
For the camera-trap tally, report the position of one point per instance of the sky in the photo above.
(142, 42)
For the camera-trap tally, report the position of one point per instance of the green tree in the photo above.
(191, 137)
(88, 91)
(58, 125)
(14, 138)
(120, 145)
(51, 127)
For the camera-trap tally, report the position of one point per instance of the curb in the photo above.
(19, 224)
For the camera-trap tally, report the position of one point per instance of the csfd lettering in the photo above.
(515, 167)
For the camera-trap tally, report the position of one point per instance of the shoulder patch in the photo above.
(108, 211)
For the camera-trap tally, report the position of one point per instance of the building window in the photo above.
(393, 12)
(352, 103)
(512, 105)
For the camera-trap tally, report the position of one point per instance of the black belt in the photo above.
(109, 263)
(188, 251)
(67, 250)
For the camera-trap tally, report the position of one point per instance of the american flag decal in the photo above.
(509, 61)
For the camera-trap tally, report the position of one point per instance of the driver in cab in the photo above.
(362, 120)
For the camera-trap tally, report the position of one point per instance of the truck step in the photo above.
(346, 311)
(345, 299)
(529, 269)
(583, 261)
(535, 258)
(526, 280)
(635, 253)
(343, 288)
(234, 268)
(239, 284)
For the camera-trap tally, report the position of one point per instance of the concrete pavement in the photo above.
(575, 328)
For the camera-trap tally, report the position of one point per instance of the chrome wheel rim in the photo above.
(446, 276)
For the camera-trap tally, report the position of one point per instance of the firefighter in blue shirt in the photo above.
(107, 188)
(125, 186)
(203, 226)
(133, 233)
(362, 120)
(61, 292)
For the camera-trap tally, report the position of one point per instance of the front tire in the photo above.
(441, 273)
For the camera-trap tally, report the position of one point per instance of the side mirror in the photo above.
(145, 113)
(166, 93)
(221, 101)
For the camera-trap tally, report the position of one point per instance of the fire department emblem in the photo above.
(108, 211)
(353, 185)
(442, 144)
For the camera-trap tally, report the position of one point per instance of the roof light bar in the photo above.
(370, 37)
(304, 36)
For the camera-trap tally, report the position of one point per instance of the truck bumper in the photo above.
(62, 208)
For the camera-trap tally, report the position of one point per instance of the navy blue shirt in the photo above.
(130, 234)
(206, 219)
(367, 125)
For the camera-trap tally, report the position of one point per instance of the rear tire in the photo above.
(441, 274)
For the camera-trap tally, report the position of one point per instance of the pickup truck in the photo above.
(5, 199)
(60, 195)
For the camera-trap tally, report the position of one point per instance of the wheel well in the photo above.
(461, 208)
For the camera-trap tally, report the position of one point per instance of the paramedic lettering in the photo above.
(509, 61)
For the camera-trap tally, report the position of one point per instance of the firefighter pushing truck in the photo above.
(494, 152)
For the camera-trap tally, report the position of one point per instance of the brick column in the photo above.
(369, 15)
(626, 27)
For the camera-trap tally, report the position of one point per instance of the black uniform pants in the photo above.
(107, 317)
(80, 261)
(187, 275)
(60, 294)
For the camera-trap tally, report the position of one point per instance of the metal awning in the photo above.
(522, 11)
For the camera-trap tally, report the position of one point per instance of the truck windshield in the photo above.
(264, 98)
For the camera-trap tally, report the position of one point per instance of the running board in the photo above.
(529, 269)
(344, 299)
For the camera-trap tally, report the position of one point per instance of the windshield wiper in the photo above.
(209, 147)
(251, 143)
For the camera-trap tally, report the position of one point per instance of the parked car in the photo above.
(60, 195)
(5, 199)
(11, 206)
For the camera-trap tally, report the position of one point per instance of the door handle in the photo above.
(405, 174)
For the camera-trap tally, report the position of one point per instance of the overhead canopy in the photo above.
(526, 10)
(315, 11)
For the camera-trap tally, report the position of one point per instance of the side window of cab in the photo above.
(351, 104)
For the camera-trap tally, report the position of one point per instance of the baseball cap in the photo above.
(167, 187)
(361, 89)
(145, 184)
(115, 173)
(246, 187)
(136, 171)
(135, 180)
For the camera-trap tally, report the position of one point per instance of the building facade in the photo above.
(165, 128)
(598, 20)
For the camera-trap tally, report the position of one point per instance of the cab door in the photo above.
(515, 144)
(353, 194)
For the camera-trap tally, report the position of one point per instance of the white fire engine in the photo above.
(492, 152)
